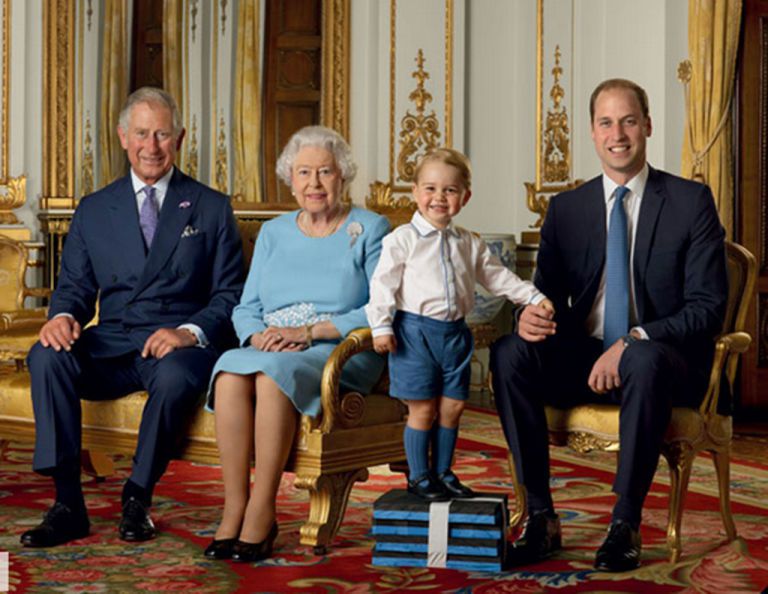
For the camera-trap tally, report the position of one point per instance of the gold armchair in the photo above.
(596, 426)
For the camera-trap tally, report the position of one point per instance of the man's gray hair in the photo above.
(321, 137)
(151, 95)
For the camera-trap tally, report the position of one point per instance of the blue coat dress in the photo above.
(296, 280)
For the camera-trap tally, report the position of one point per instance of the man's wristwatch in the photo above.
(628, 339)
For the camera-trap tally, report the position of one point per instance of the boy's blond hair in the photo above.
(450, 157)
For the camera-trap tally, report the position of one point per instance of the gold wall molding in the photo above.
(418, 133)
(553, 153)
(449, 72)
(5, 107)
(223, 17)
(89, 13)
(58, 104)
(335, 51)
(14, 197)
(193, 16)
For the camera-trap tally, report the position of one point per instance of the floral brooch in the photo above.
(354, 230)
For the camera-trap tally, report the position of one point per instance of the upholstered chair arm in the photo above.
(334, 406)
(727, 347)
(31, 319)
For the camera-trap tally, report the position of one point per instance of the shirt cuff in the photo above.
(643, 334)
(202, 339)
(63, 314)
(382, 331)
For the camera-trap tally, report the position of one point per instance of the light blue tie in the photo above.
(148, 215)
(616, 323)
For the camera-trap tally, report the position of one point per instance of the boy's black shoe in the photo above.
(453, 485)
(428, 488)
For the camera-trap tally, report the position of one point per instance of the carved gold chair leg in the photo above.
(722, 461)
(521, 497)
(328, 497)
(680, 460)
(3, 446)
(97, 464)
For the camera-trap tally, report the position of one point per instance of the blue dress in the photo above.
(296, 280)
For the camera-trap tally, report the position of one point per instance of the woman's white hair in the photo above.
(322, 137)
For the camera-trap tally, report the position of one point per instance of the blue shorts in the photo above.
(432, 358)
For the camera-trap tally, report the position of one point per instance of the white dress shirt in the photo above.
(632, 200)
(432, 272)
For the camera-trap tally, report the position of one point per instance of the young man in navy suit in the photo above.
(638, 304)
(161, 254)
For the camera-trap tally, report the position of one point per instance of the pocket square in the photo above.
(190, 231)
(185, 204)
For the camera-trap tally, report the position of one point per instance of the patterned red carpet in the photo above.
(188, 501)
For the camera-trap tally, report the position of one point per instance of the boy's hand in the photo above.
(384, 344)
(536, 322)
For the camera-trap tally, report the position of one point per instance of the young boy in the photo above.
(423, 286)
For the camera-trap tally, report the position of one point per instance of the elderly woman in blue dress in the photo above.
(306, 289)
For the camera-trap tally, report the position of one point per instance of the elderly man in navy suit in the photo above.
(161, 255)
(634, 262)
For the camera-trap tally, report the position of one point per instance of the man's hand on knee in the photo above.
(60, 333)
(536, 323)
(167, 340)
(604, 376)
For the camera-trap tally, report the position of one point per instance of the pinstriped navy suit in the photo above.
(681, 290)
(192, 274)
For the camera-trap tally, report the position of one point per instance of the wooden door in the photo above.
(752, 198)
(292, 79)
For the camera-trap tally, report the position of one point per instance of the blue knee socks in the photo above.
(443, 448)
(416, 452)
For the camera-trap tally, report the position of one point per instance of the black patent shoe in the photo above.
(428, 488)
(453, 485)
(136, 525)
(248, 552)
(220, 549)
(60, 524)
(621, 549)
(540, 539)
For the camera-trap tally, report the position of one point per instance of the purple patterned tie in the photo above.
(148, 215)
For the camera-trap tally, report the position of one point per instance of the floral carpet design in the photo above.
(188, 501)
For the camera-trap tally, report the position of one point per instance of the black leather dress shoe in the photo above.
(248, 552)
(621, 549)
(60, 524)
(453, 485)
(428, 488)
(136, 525)
(541, 538)
(220, 549)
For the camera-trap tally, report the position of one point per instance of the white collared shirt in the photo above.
(636, 186)
(161, 189)
(432, 272)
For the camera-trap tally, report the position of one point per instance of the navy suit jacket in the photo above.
(679, 266)
(192, 274)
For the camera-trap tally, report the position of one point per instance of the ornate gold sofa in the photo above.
(330, 453)
(596, 426)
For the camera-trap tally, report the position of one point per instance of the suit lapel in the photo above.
(124, 216)
(594, 218)
(174, 216)
(650, 207)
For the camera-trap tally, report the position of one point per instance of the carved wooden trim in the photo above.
(762, 334)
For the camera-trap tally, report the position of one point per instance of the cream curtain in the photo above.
(173, 22)
(247, 106)
(114, 87)
(713, 39)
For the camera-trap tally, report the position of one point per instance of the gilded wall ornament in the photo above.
(192, 151)
(15, 196)
(419, 133)
(87, 179)
(193, 15)
(557, 154)
(222, 172)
